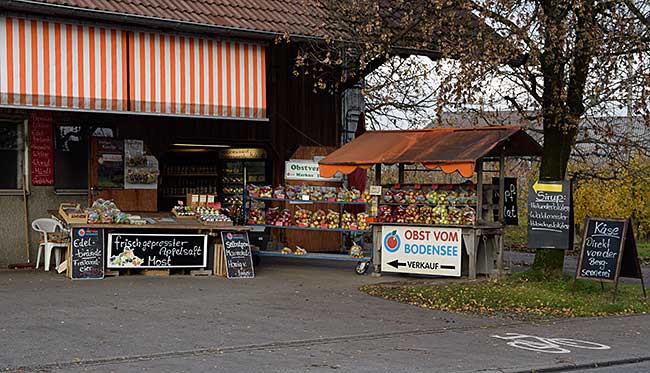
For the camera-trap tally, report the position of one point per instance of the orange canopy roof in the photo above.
(450, 149)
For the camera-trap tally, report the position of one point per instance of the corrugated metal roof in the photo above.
(452, 149)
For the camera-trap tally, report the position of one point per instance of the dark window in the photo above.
(71, 152)
(12, 151)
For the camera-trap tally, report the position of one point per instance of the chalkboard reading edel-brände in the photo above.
(87, 255)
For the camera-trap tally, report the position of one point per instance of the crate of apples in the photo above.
(255, 216)
(385, 214)
(318, 219)
(347, 221)
(426, 215)
(362, 223)
(272, 215)
(302, 217)
(412, 214)
(399, 214)
(332, 219)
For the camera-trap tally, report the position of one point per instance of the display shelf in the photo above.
(192, 175)
(322, 256)
(425, 204)
(307, 228)
(300, 202)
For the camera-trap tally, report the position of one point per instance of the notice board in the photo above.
(143, 250)
(510, 210)
(87, 254)
(608, 250)
(41, 140)
(237, 252)
(550, 215)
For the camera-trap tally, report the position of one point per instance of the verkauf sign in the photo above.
(306, 170)
(421, 250)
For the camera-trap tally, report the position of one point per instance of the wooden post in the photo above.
(378, 174)
(479, 192)
(502, 198)
(400, 173)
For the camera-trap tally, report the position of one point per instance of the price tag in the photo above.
(375, 190)
(210, 199)
(203, 198)
(305, 197)
(397, 186)
(418, 186)
(195, 198)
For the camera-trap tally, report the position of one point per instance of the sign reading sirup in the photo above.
(421, 250)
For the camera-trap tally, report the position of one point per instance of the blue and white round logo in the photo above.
(392, 242)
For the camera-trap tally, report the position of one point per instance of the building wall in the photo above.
(297, 116)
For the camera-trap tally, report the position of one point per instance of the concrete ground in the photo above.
(294, 316)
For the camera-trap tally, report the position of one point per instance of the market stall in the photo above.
(444, 229)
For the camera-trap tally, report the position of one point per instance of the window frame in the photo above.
(23, 186)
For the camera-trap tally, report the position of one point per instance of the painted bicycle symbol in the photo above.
(548, 345)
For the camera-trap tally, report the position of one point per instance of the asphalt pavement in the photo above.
(295, 316)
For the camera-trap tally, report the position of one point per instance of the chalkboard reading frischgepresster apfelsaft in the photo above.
(237, 251)
(140, 250)
(87, 255)
(602, 247)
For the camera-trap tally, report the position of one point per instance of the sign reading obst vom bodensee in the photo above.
(421, 250)
(306, 170)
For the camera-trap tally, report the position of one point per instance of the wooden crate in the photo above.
(219, 261)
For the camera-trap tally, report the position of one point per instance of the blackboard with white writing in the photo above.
(237, 251)
(510, 211)
(87, 255)
(140, 250)
(602, 247)
(608, 251)
(550, 215)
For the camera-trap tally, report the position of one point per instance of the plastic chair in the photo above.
(46, 226)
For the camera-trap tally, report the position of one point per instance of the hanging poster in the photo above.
(141, 171)
(42, 148)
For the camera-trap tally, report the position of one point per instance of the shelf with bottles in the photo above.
(189, 170)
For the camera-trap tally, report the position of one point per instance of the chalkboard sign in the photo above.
(608, 250)
(237, 250)
(510, 211)
(87, 255)
(140, 250)
(550, 215)
(42, 148)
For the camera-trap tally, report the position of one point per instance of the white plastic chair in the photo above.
(46, 226)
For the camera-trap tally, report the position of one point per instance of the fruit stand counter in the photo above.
(445, 250)
(438, 229)
(162, 242)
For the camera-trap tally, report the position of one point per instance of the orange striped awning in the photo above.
(61, 65)
(50, 64)
(194, 76)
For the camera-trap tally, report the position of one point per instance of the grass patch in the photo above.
(519, 296)
(644, 249)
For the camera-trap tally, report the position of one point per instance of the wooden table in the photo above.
(174, 224)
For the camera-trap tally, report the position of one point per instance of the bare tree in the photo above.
(566, 58)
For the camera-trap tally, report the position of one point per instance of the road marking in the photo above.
(548, 345)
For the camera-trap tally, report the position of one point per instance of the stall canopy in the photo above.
(73, 66)
(450, 149)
